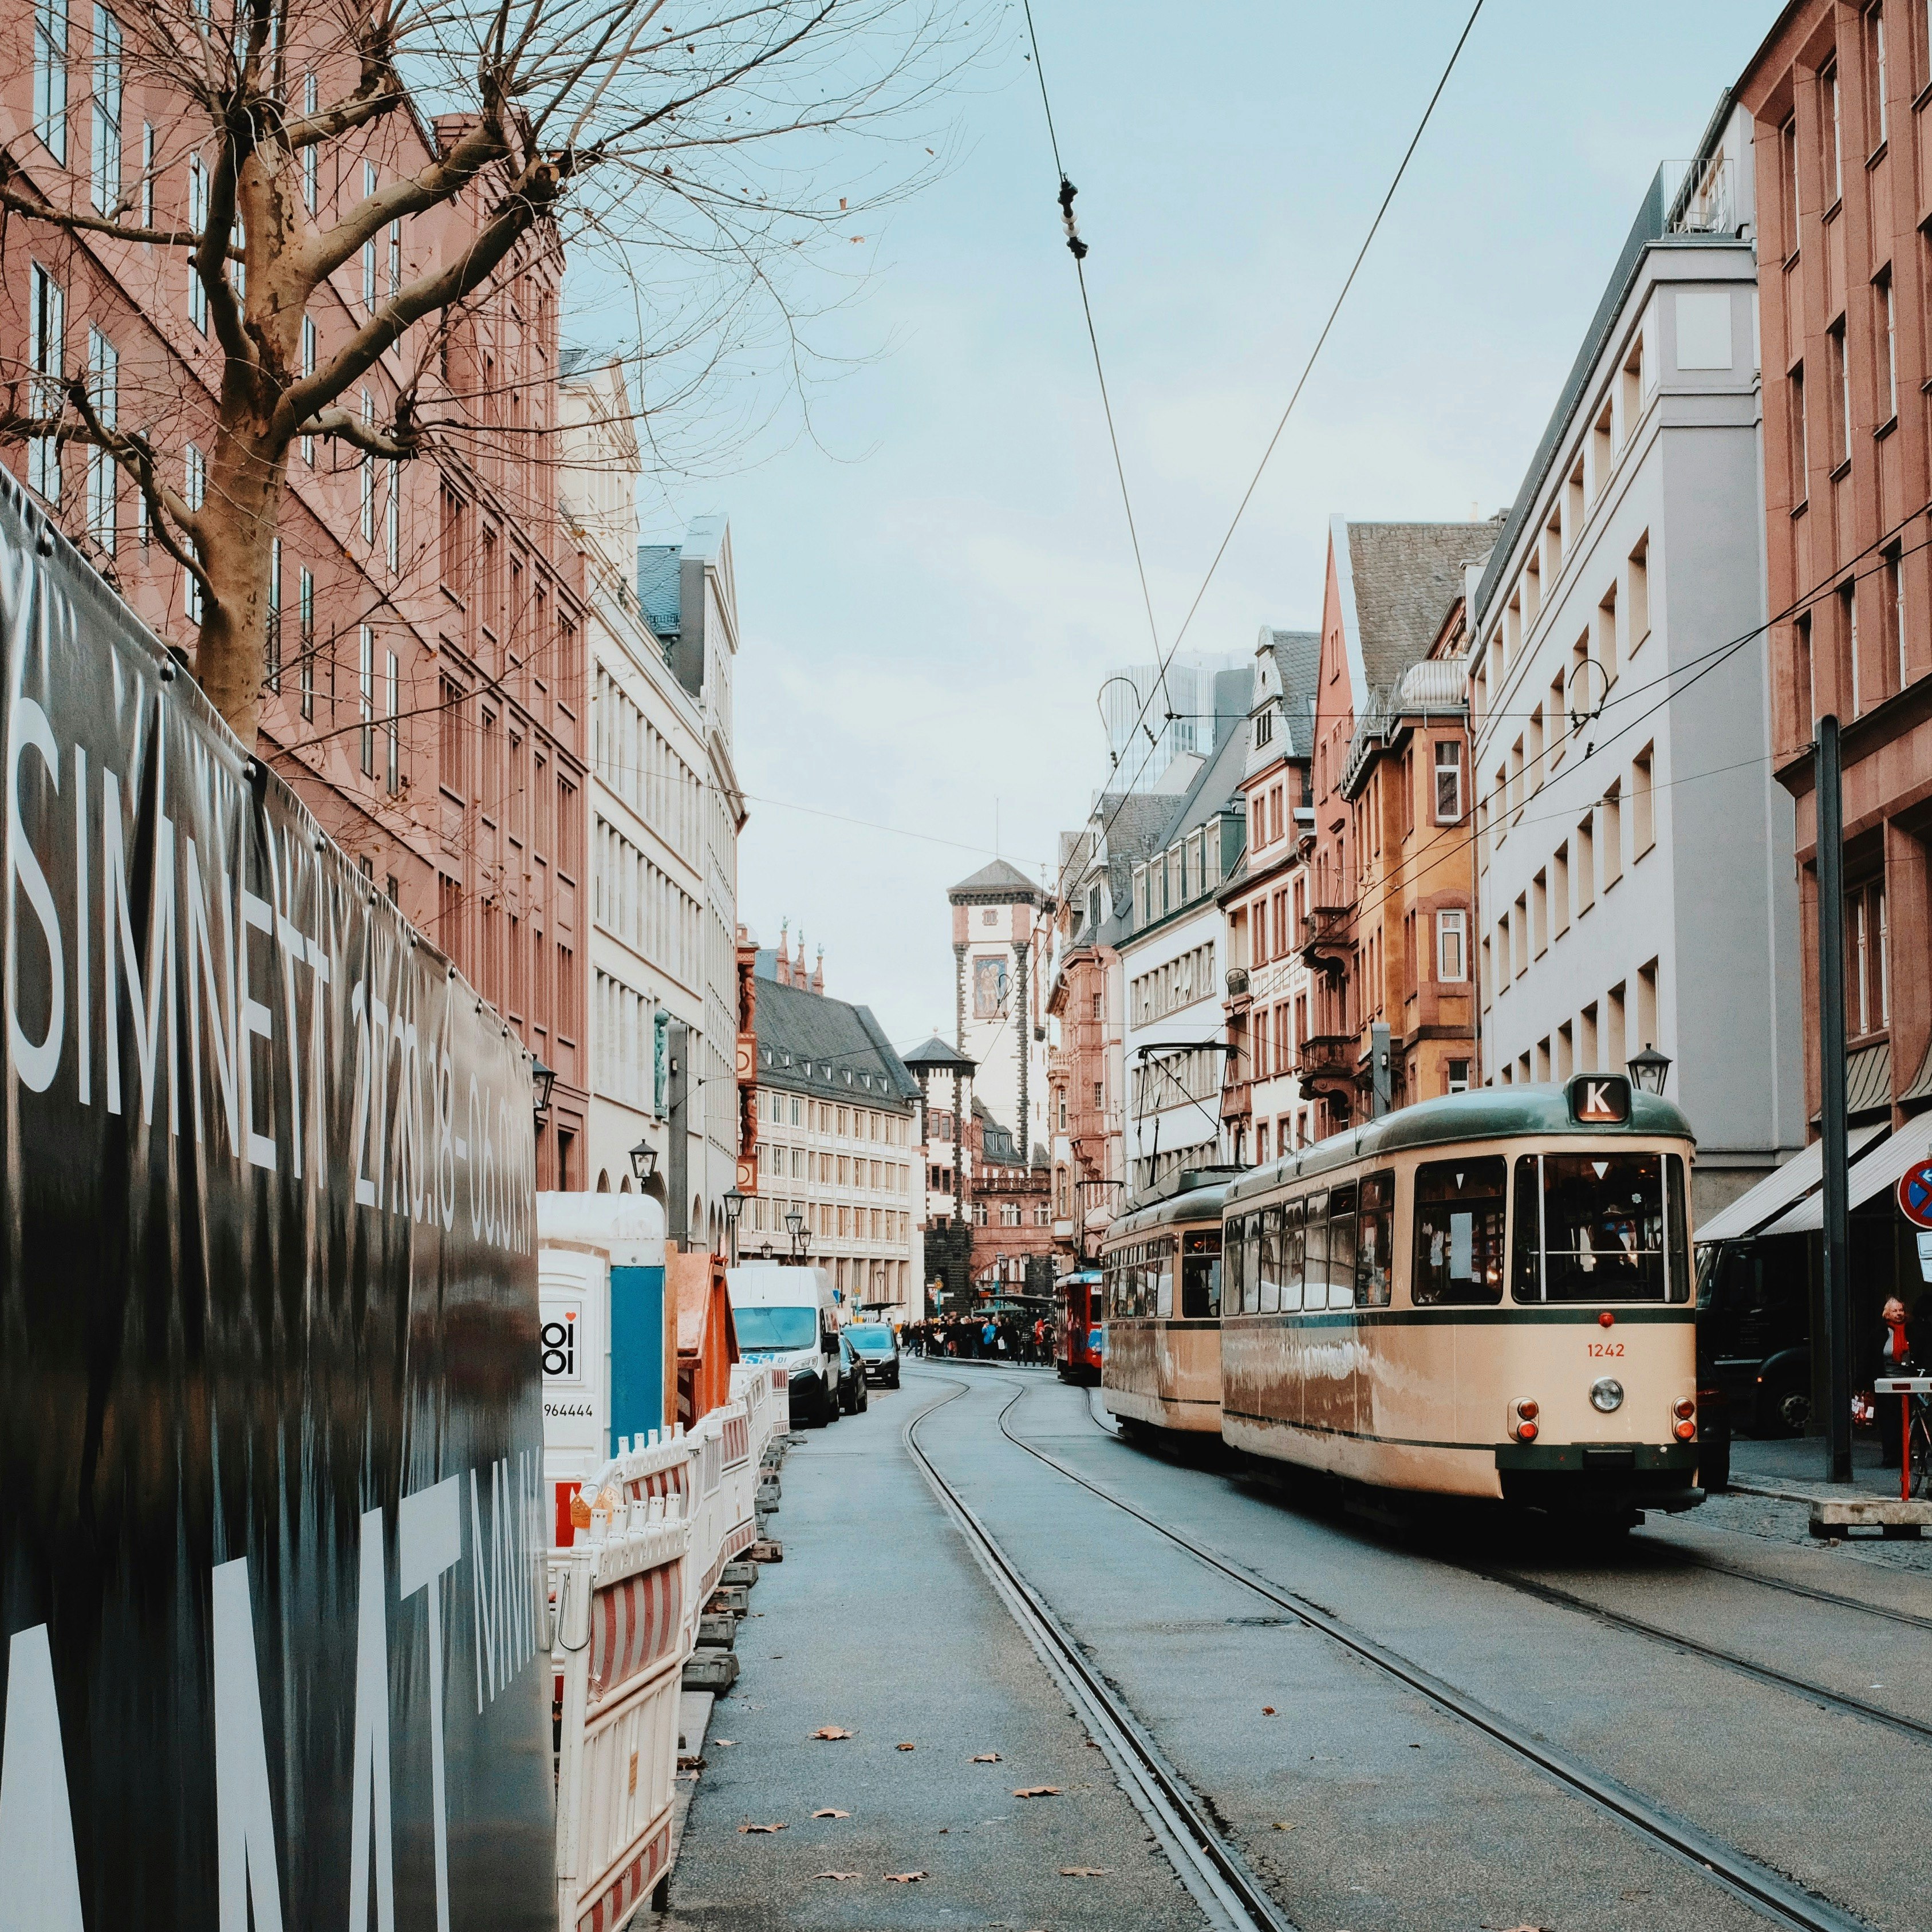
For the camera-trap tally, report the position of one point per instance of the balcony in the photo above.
(1238, 1100)
(1328, 1058)
(1326, 948)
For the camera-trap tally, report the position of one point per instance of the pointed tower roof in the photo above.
(936, 1057)
(1000, 881)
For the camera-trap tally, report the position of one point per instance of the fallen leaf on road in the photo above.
(1036, 1791)
(837, 1874)
(1267, 1710)
(1083, 1871)
(1285, 1825)
(1091, 1744)
(984, 1757)
(829, 1813)
(904, 1878)
(762, 1827)
(903, 1748)
(829, 1732)
(724, 1744)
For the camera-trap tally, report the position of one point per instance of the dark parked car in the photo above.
(852, 1397)
(1753, 1333)
(877, 1349)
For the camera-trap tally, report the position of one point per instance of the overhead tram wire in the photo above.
(1077, 249)
(1301, 382)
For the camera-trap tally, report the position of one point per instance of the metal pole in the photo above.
(1830, 868)
(677, 1161)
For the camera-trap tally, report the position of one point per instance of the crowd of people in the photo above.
(994, 1338)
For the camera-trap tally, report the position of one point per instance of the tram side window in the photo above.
(1315, 1277)
(1163, 1280)
(1251, 1255)
(1292, 1239)
(1270, 1218)
(1458, 1232)
(1601, 1220)
(1374, 1241)
(1342, 1211)
(1201, 1274)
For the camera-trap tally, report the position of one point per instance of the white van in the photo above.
(788, 1316)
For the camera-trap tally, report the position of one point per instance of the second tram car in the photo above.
(1162, 1262)
(1485, 1295)
(1076, 1338)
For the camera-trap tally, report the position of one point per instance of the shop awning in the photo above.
(1803, 1174)
(1877, 1173)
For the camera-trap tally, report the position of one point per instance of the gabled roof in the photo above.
(810, 1043)
(1298, 657)
(1403, 578)
(1000, 880)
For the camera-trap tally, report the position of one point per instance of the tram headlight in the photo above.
(1606, 1394)
(1523, 1415)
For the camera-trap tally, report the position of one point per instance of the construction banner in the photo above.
(270, 1428)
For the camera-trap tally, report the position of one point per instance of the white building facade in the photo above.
(1634, 856)
(664, 813)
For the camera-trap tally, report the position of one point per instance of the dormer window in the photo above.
(1265, 727)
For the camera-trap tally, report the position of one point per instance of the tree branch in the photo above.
(402, 444)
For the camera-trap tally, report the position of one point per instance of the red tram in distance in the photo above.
(1076, 1334)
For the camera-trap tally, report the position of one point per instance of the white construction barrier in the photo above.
(760, 1388)
(622, 1635)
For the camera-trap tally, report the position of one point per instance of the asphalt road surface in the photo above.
(1570, 1736)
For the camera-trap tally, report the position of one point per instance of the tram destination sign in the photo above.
(271, 1415)
(1600, 1099)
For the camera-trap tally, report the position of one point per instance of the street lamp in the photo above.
(734, 1206)
(542, 1079)
(795, 1228)
(1649, 1069)
(644, 1161)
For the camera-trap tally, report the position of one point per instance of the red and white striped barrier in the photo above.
(622, 1634)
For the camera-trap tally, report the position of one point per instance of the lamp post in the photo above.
(644, 1161)
(734, 1206)
(1649, 1069)
(542, 1079)
(800, 1240)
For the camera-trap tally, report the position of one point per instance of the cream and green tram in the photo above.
(1161, 1365)
(1485, 1295)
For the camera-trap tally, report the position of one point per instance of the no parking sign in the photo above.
(1915, 1194)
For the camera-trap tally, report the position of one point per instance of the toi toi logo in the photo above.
(560, 1346)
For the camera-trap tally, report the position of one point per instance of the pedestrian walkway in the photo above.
(880, 1624)
(1794, 1466)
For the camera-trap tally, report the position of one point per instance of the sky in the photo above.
(934, 583)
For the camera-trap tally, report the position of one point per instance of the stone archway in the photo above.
(603, 1181)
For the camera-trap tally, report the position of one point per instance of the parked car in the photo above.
(1753, 1333)
(877, 1349)
(852, 1396)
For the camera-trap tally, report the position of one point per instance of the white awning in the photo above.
(1877, 1173)
(1803, 1174)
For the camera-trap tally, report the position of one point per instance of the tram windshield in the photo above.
(1201, 1273)
(1607, 1227)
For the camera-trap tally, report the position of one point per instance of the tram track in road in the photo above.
(1208, 1865)
(1836, 1598)
(1780, 1899)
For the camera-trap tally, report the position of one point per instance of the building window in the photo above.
(1848, 635)
(194, 489)
(1643, 830)
(1833, 133)
(369, 247)
(305, 620)
(1841, 396)
(197, 220)
(310, 153)
(271, 620)
(1799, 444)
(1611, 813)
(1787, 137)
(1804, 689)
(103, 373)
(392, 517)
(1264, 726)
(1448, 781)
(365, 685)
(1875, 70)
(392, 689)
(1895, 609)
(50, 76)
(1868, 961)
(1452, 941)
(47, 351)
(1457, 1079)
(104, 157)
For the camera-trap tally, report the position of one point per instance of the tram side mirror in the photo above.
(1599, 1099)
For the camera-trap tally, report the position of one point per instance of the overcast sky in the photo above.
(930, 593)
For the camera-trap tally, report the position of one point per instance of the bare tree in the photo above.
(683, 146)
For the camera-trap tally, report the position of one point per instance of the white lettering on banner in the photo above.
(244, 1817)
(40, 1879)
(34, 1062)
(257, 915)
(503, 1588)
(429, 1540)
(117, 915)
(213, 990)
(83, 1023)
(369, 1784)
